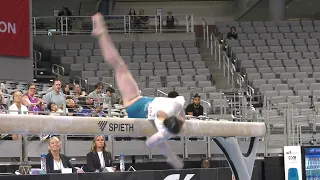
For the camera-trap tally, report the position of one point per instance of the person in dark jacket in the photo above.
(55, 161)
(232, 34)
(99, 157)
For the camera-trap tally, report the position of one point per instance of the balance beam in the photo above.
(72, 125)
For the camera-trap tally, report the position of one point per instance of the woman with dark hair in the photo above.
(232, 34)
(66, 89)
(99, 157)
(134, 19)
(33, 103)
(115, 99)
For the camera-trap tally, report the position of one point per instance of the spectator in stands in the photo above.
(77, 92)
(65, 12)
(55, 161)
(195, 108)
(205, 163)
(232, 34)
(86, 102)
(66, 89)
(98, 111)
(2, 104)
(55, 96)
(73, 108)
(3, 88)
(97, 93)
(115, 99)
(144, 20)
(33, 103)
(17, 107)
(134, 19)
(99, 157)
(54, 110)
(170, 20)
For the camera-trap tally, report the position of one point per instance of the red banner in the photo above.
(14, 28)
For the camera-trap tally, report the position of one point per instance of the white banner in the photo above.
(292, 163)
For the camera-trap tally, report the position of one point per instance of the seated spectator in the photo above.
(86, 102)
(55, 96)
(73, 108)
(98, 111)
(66, 13)
(78, 93)
(170, 20)
(33, 103)
(144, 20)
(3, 88)
(97, 93)
(66, 89)
(55, 161)
(54, 110)
(205, 163)
(195, 108)
(115, 99)
(232, 34)
(77, 110)
(99, 157)
(2, 104)
(134, 19)
(17, 108)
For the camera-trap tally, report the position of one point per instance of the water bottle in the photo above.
(35, 109)
(122, 167)
(43, 164)
(45, 108)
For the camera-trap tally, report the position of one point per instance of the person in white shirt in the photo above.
(168, 114)
(17, 108)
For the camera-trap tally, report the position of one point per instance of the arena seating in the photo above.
(281, 61)
(160, 65)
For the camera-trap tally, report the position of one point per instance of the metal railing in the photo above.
(288, 123)
(37, 56)
(83, 83)
(57, 70)
(206, 33)
(220, 56)
(63, 25)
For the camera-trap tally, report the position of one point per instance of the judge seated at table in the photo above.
(56, 162)
(99, 157)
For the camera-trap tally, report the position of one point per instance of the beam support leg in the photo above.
(241, 165)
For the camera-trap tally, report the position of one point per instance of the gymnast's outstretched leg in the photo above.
(127, 85)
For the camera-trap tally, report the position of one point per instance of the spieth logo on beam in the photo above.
(115, 127)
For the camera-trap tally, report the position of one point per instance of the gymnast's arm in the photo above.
(182, 115)
(161, 116)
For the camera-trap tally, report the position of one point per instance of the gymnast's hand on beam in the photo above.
(98, 25)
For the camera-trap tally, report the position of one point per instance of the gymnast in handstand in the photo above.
(168, 113)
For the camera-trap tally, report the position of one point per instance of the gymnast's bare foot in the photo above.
(98, 25)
